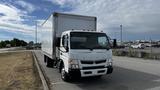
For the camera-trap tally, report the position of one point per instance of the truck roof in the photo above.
(83, 31)
(67, 14)
(59, 13)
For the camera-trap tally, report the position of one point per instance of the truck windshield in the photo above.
(88, 40)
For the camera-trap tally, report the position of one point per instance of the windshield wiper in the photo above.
(100, 47)
(83, 47)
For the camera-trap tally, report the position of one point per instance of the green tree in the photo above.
(23, 43)
(3, 44)
(7, 41)
(15, 42)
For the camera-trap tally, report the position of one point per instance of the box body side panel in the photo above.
(47, 37)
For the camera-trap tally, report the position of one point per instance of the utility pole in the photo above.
(35, 36)
(121, 33)
(36, 33)
(151, 51)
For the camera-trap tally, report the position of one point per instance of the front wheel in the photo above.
(98, 76)
(64, 75)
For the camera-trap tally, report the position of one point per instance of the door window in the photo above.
(65, 41)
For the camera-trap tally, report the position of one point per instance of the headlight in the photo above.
(109, 62)
(71, 61)
(73, 64)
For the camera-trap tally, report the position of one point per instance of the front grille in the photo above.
(100, 61)
(93, 67)
(92, 62)
(87, 62)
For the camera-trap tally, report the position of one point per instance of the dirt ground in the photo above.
(17, 72)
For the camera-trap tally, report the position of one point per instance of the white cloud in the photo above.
(17, 27)
(27, 6)
(136, 16)
(40, 21)
(10, 13)
(11, 19)
(64, 3)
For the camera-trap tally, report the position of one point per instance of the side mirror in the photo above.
(114, 43)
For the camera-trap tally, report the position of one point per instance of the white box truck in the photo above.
(72, 44)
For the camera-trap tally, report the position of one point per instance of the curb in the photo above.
(41, 73)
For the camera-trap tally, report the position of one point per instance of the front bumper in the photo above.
(90, 72)
(110, 69)
(74, 73)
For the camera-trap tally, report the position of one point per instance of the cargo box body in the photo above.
(57, 23)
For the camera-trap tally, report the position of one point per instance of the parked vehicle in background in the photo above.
(8, 45)
(138, 46)
(71, 43)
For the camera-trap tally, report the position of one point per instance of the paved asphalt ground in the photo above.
(128, 74)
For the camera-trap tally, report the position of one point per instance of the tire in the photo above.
(64, 75)
(49, 62)
(45, 58)
(100, 76)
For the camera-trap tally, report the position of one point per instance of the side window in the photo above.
(65, 40)
(63, 37)
(102, 41)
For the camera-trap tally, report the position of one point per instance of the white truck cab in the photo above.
(85, 53)
(73, 45)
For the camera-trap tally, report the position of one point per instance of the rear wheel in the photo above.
(45, 58)
(49, 62)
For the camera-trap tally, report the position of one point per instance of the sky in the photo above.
(140, 18)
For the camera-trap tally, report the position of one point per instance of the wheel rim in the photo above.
(63, 73)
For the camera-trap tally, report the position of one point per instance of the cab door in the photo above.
(64, 51)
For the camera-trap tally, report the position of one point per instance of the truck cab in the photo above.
(84, 53)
